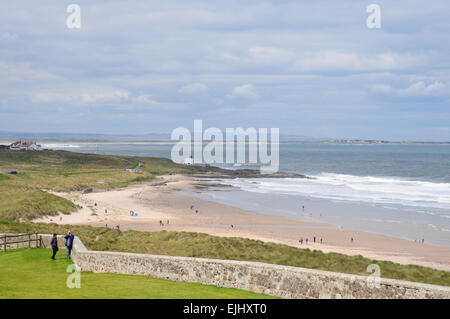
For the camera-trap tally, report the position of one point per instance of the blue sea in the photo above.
(401, 190)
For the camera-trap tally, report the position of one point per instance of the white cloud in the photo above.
(382, 88)
(7, 36)
(86, 98)
(245, 91)
(351, 61)
(194, 89)
(419, 88)
(44, 97)
(422, 89)
(113, 96)
(269, 54)
(144, 99)
(23, 72)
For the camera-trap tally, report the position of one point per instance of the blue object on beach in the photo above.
(13, 173)
(135, 214)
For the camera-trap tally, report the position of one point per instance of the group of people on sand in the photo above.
(306, 240)
(69, 238)
(192, 207)
(319, 241)
(162, 224)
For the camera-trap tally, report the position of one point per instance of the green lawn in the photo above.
(30, 273)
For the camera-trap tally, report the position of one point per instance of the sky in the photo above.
(309, 68)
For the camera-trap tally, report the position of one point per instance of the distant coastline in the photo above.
(7, 138)
(168, 141)
(356, 141)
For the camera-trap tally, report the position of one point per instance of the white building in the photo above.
(27, 146)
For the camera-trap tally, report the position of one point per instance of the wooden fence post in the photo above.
(4, 243)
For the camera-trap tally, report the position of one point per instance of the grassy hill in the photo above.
(22, 196)
(30, 273)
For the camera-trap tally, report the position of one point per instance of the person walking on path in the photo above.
(69, 243)
(54, 244)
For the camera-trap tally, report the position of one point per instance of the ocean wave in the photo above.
(355, 188)
(58, 146)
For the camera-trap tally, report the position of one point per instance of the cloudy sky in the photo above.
(310, 68)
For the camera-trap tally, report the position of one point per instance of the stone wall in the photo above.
(282, 281)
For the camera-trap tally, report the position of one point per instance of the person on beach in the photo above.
(196, 211)
(69, 243)
(301, 241)
(314, 238)
(306, 241)
(321, 240)
(54, 244)
(167, 222)
(351, 239)
(160, 223)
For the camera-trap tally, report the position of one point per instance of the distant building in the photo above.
(27, 146)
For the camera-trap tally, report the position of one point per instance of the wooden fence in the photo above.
(20, 241)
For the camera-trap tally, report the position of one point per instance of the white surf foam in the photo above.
(355, 188)
(60, 146)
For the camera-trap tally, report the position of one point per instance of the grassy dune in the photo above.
(207, 246)
(30, 273)
(22, 195)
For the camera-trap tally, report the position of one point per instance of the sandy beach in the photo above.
(161, 202)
